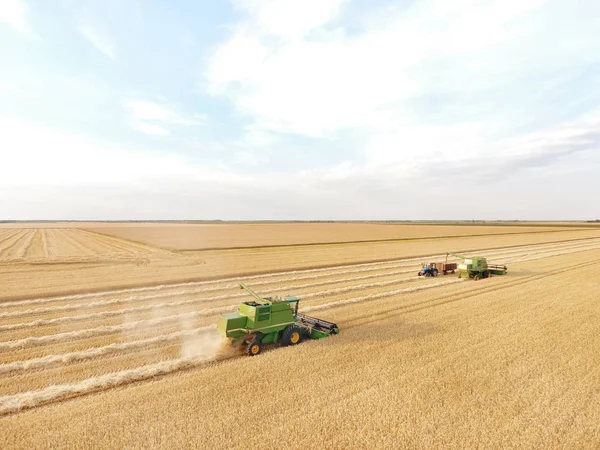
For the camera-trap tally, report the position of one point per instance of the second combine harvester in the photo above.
(477, 267)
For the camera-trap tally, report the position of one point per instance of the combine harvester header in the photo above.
(270, 321)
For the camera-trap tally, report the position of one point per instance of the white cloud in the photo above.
(153, 117)
(319, 84)
(99, 39)
(147, 128)
(14, 13)
(290, 18)
(52, 175)
(38, 155)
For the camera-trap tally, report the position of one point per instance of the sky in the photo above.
(299, 110)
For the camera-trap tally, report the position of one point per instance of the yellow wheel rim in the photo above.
(254, 349)
(295, 337)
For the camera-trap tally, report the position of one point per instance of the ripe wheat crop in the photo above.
(418, 363)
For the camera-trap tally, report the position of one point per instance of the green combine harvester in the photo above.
(477, 267)
(270, 321)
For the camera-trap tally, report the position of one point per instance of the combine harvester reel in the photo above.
(477, 267)
(271, 321)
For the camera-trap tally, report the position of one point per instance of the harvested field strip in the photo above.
(205, 312)
(44, 243)
(20, 250)
(405, 262)
(196, 283)
(92, 332)
(123, 300)
(51, 243)
(379, 295)
(445, 298)
(162, 305)
(36, 247)
(92, 243)
(12, 241)
(122, 244)
(66, 236)
(103, 303)
(156, 306)
(14, 403)
(361, 241)
(43, 394)
(68, 358)
(183, 292)
(112, 247)
(93, 367)
(112, 329)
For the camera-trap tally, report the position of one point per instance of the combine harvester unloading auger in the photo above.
(270, 321)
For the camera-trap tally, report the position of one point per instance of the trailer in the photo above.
(431, 269)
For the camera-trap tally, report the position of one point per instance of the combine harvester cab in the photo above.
(271, 321)
(477, 267)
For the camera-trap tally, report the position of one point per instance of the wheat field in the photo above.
(108, 342)
(220, 236)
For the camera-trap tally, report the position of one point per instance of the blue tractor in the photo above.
(428, 270)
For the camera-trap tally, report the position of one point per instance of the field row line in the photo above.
(171, 294)
(102, 330)
(49, 361)
(385, 265)
(204, 312)
(31, 399)
(116, 348)
(110, 329)
(18, 402)
(379, 295)
(13, 240)
(7, 403)
(102, 303)
(151, 307)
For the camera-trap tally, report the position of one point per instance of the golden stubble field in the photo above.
(119, 350)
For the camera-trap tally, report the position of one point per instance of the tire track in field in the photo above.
(32, 399)
(36, 247)
(104, 303)
(45, 243)
(11, 242)
(123, 244)
(113, 248)
(102, 330)
(21, 252)
(164, 305)
(96, 246)
(193, 283)
(51, 246)
(197, 290)
(49, 361)
(404, 262)
(481, 288)
(82, 250)
(379, 295)
(207, 312)
(69, 319)
(18, 402)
